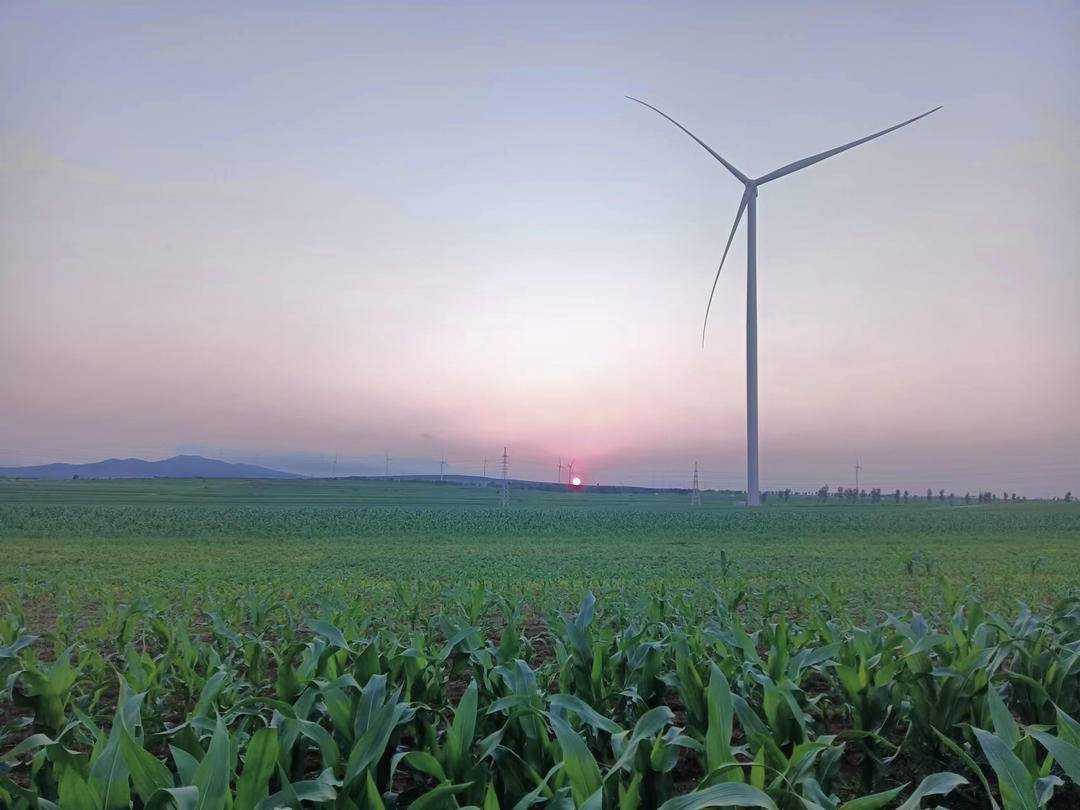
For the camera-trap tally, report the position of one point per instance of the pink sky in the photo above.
(282, 236)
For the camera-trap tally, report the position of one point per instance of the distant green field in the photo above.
(80, 542)
(267, 493)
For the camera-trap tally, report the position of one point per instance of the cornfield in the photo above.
(674, 700)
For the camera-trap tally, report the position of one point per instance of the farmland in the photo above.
(357, 644)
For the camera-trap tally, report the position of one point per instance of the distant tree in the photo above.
(896, 496)
(952, 497)
(787, 494)
(1004, 496)
(929, 494)
(764, 497)
(823, 494)
(906, 496)
(941, 495)
(1068, 496)
(967, 497)
(75, 477)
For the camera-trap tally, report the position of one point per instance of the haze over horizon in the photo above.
(274, 237)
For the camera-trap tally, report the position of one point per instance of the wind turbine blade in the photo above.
(810, 161)
(727, 247)
(741, 177)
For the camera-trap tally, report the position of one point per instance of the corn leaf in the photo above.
(1016, 785)
(214, 772)
(581, 767)
(729, 794)
(460, 738)
(938, 784)
(254, 783)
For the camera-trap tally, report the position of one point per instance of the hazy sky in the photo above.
(281, 232)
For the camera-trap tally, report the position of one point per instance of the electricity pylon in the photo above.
(504, 494)
(695, 490)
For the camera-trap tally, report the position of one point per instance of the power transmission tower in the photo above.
(504, 494)
(695, 491)
(387, 465)
(485, 466)
(333, 471)
(442, 468)
(857, 468)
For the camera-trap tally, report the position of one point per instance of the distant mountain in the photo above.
(175, 467)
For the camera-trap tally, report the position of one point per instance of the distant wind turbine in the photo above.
(749, 205)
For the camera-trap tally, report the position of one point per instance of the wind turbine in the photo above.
(749, 205)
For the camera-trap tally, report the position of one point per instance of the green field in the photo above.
(851, 636)
(97, 541)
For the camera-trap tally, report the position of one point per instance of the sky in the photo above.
(283, 233)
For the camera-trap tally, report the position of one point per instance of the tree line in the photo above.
(851, 495)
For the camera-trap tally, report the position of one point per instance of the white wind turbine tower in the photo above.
(749, 205)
